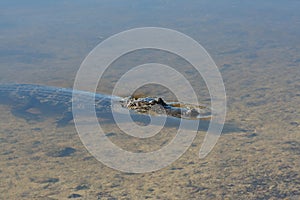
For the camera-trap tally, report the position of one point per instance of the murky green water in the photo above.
(256, 47)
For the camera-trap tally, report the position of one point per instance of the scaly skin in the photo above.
(50, 99)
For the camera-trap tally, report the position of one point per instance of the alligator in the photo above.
(30, 101)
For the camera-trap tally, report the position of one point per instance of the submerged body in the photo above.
(25, 97)
(47, 99)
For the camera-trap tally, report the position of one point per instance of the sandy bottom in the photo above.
(40, 161)
(256, 48)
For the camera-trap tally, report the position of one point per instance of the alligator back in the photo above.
(48, 100)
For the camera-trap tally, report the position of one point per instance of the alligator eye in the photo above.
(161, 102)
(194, 112)
(152, 102)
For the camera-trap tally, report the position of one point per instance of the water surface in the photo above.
(256, 47)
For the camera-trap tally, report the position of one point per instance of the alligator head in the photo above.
(157, 106)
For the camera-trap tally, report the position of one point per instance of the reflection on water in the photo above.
(256, 46)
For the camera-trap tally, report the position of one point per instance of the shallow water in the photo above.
(256, 47)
